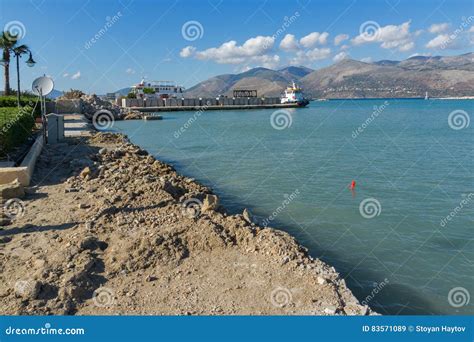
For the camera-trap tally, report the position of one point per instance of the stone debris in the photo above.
(211, 202)
(12, 190)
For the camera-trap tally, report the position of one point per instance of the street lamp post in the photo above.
(30, 62)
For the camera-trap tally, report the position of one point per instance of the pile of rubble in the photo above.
(91, 104)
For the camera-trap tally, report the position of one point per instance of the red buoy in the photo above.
(353, 185)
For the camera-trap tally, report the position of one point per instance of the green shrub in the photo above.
(131, 96)
(148, 90)
(15, 127)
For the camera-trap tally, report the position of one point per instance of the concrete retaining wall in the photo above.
(23, 172)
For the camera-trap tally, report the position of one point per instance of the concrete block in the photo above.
(55, 128)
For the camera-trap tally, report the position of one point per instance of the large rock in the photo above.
(211, 202)
(248, 216)
(11, 190)
(27, 289)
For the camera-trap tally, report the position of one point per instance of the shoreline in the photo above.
(132, 236)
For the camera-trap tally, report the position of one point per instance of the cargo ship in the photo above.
(294, 94)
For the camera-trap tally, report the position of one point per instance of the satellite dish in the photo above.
(42, 86)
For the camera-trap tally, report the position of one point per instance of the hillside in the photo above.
(439, 76)
(268, 82)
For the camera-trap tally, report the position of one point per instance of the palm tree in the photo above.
(9, 45)
(7, 42)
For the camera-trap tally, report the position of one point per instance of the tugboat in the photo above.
(294, 94)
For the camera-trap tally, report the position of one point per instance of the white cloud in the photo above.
(471, 30)
(340, 38)
(315, 54)
(314, 38)
(266, 61)
(391, 36)
(188, 51)
(76, 76)
(340, 56)
(416, 54)
(65, 74)
(440, 41)
(366, 59)
(406, 47)
(231, 53)
(289, 43)
(344, 47)
(446, 41)
(439, 28)
(130, 71)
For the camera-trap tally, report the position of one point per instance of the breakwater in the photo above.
(183, 104)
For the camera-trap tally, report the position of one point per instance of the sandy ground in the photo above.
(107, 229)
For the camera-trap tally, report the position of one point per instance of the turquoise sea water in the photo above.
(410, 166)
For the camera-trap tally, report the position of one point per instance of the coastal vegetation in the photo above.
(15, 127)
(9, 44)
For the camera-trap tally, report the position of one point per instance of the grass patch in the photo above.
(15, 127)
(11, 100)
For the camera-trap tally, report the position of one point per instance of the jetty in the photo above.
(225, 103)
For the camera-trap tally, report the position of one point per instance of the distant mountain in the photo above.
(266, 81)
(54, 94)
(123, 91)
(296, 73)
(439, 76)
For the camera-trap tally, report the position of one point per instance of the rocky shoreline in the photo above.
(108, 229)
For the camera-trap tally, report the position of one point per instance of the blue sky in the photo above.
(101, 46)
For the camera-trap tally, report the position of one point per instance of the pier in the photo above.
(224, 103)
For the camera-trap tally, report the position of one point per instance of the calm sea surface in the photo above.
(389, 238)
